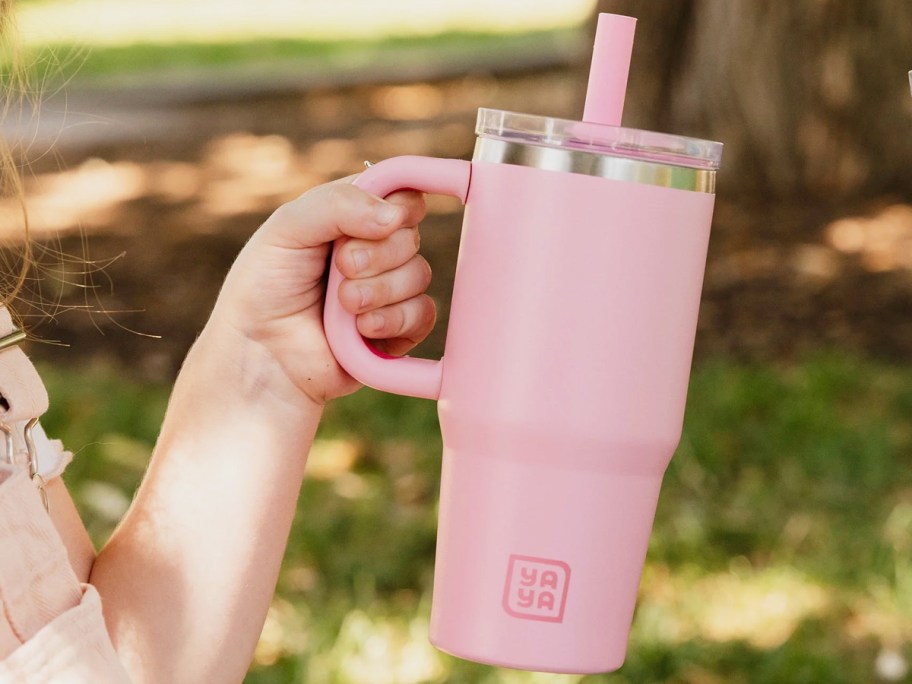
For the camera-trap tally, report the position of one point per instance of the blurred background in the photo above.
(160, 134)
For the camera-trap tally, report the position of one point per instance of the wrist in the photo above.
(244, 371)
(228, 406)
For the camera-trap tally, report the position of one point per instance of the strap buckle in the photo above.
(8, 341)
(32, 451)
(35, 476)
(12, 338)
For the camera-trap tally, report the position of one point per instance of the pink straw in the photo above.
(610, 66)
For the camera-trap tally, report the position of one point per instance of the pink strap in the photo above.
(20, 385)
(51, 627)
(24, 398)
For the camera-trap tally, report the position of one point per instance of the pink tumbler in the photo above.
(562, 387)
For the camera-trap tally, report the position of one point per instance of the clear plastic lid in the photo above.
(595, 138)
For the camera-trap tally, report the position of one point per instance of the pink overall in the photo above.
(51, 626)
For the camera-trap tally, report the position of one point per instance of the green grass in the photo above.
(95, 38)
(782, 550)
(50, 65)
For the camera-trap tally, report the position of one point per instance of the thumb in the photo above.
(329, 212)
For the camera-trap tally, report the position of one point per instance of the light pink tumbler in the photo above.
(562, 387)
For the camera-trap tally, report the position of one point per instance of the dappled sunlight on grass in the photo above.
(285, 633)
(239, 173)
(414, 102)
(882, 241)
(174, 182)
(248, 173)
(762, 607)
(808, 263)
(331, 458)
(85, 195)
(332, 157)
(384, 651)
(103, 500)
(105, 497)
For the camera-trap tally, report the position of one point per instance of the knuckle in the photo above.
(340, 196)
(341, 257)
(382, 289)
(381, 324)
(395, 321)
(345, 260)
(424, 315)
(288, 211)
(420, 204)
(428, 310)
(424, 269)
(349, 296)
(404, 245)
(365, 324)
(345, 200)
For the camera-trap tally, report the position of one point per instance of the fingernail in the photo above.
(385, 213)
(377, 321)
(360, 257)
(366, 295)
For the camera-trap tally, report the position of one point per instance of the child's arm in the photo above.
(187, 577)
(65, 517)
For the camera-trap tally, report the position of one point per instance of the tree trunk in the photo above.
(810, 97)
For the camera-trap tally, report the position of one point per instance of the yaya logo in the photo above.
(536, 588)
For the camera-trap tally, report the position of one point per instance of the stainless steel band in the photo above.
(591, 164)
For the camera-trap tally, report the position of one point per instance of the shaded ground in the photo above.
(178, 190)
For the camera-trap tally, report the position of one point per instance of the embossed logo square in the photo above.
(536, 588)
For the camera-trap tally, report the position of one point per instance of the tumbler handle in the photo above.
(406, 375)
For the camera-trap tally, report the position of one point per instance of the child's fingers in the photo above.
(399, 284)
(397, 346)
(331, 211)
(365, 258)
(400, 326)
(412, 200)
(414, 204)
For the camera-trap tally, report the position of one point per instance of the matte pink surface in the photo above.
(561, 401)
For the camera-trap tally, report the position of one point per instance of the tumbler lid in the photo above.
(615, 141)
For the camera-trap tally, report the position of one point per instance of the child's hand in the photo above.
(272, 300)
